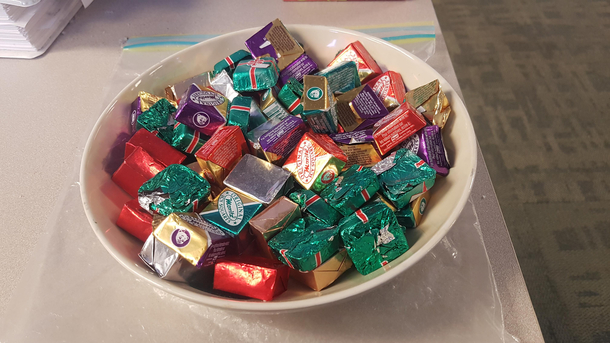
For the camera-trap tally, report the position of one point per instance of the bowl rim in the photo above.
(303, 304)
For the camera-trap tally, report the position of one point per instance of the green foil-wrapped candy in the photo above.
(158, 119)
(350, 190)
(254, 75)
(186, 139)
(372, 237)
(229, 63)
(403, 176)
(313, 204)
(306, 244)
(290, 98)
(175, 189)
(239, 114)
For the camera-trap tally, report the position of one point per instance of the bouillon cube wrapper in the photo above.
(396, 127)
(315, 162)
(427, 143)
(390, 88)
(231, 212)
(203, 110)
(341, 77)
(271, 107)
(319, 105)
(300, 67)
(280, 141)
(359, 108)
(431, 101)
(372, 237)
(274, 40)
(362, 154)
(367, 67)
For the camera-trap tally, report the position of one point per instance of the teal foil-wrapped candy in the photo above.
(254, 75)
(351, 189)
(239, 114)
(158, 119)
(313, 204)
(229, 63)
(186, 139)
(403, 176)
(290, 97)
(174, 189)
(372, 237)
(306, 244)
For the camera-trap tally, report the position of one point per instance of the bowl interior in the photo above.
(103, 200)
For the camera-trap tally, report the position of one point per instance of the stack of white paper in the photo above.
(27, 32)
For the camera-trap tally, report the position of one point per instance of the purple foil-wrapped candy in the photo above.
(278, 143)
(275, 40)
(302, 66)
(203, 110)
(354, 137)
(427, 143)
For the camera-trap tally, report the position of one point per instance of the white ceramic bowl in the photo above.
(102, 199)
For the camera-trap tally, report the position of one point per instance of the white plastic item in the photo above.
(31, 36)
(102, 199)
(20, 3)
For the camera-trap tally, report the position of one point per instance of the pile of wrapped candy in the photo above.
(301, 172)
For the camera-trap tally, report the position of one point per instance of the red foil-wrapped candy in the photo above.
(137, 168)
(135, 220)
(154, 146)
(251, 276)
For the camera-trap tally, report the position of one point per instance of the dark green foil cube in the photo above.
(373, 237)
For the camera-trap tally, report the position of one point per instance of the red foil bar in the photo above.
(390, 88)
(155, 147)
(251, 276)
(367, 67)
(135, 220)
(396, 127)
(137, 168)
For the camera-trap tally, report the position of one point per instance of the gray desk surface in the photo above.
(47, 102)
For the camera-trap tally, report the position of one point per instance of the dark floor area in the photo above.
(536, 80)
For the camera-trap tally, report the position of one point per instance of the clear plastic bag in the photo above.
(76, 292)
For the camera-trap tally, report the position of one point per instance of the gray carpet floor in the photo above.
(536, 81)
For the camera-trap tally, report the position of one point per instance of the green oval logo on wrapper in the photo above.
(314, 93)
(231, 208)
(422, 206)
